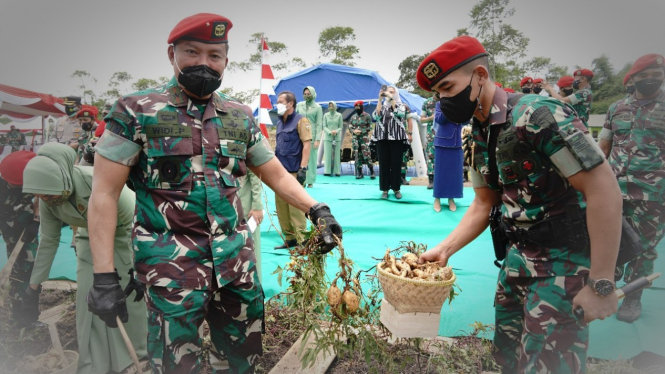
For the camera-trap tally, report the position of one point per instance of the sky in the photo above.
(43, 42)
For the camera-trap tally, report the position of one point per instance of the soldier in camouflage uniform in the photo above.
(15, 138)
(427, 116)
(17, 218)
(633, 139)
(183, 147)
(360, 126)
(580, 100)
(539, 183)
(86, 119)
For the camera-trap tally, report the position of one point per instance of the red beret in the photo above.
(565, 81)
(101, 126)
(85, 113)
(526, 80)
(12, 166)
(498, 84)
(203, 27)
(538, 80)
(583, 72)
(625, 79)
(450, 56)
(359, 102)
(508, 89)
(644, 62)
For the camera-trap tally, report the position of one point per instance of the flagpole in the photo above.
(260, 78)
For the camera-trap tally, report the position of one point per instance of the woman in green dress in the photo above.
(332, 140)
(64, 190)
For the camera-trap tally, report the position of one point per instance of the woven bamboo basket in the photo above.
(412, 295)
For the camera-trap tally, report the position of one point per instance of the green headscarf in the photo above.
(50, 172)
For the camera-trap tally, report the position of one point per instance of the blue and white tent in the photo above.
(342, 84)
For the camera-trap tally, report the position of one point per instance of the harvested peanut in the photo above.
(334, 295)
(411, 259)
(351, 300)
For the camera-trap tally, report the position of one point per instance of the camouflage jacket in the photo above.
(15, 139)
(361, 122)
(16, 211)
(531, 186)
(428, 108)
(581, 101)
(185, 163)
(637, 131)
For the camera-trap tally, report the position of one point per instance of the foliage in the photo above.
(277, 49)
(407, 75)
(332, 42)
(85, 76)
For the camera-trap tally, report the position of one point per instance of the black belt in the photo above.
(564, 230)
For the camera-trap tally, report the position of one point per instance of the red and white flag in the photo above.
(266, 90)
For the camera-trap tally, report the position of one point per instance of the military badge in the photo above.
(218, 30)
(431, 70)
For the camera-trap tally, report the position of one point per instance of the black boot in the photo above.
(430, 186)
(631, 309)
(288, 244)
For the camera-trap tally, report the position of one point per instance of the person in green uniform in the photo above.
(557, 204)
(314, 114)
(580, 100)
(251, 197)
(64, 191)
(633, 139)
(332, 138)
(19, 220)
(184, 147)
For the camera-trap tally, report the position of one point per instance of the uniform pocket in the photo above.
(232, 161)
(169, 163)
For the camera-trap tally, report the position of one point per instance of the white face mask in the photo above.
(281, 109)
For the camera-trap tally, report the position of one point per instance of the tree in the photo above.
(144, 83)
(114, 83)
(407, 75)
(276, 49)
(332, 42)
(603, 72)
(83, 76)
(543, 67)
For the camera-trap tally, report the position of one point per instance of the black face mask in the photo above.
(86, 126)
(576, 84)
(459, 108)
(537, 90)
(630, 89)
(567, 92)
(200, 80)
(359, 110)
(649, 86)
(526, 90)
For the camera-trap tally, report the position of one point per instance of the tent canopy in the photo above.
(22, 105)
(342, 84)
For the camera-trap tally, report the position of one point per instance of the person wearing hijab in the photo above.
(64, 191)
(332, 140)
(313, 112)
(391, 133)
(19, 220)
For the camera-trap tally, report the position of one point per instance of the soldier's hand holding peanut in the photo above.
(320, 215)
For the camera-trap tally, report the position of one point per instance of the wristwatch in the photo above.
(304, 168)
(602, 287)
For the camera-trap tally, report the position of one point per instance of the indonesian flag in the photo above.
(267, 79)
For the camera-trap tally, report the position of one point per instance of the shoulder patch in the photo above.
(543, 117)
(121, 117)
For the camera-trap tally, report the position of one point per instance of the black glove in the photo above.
(301, 176)
(30, 232)
(27, 310)
(320, 216)
(106, 298)
(134, 285)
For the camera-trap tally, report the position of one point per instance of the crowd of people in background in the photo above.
(527, 150)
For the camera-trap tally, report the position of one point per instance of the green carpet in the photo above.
(371, 225)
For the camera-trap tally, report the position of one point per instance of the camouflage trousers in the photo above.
(19, 279)
(175, 327)
(364, 156)
(648, 220)
(536, 330)
(429, 150)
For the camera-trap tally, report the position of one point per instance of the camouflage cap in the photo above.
(644, 62)
(449, 57)
(202, 27)
(526, 80)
